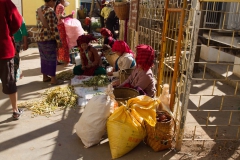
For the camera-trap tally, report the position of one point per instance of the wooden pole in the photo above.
(91, 10)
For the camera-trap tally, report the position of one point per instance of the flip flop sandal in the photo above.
(17, 115)
(47, 79)
(59, 82)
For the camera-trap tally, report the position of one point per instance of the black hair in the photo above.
(58, 2)
(49, 0)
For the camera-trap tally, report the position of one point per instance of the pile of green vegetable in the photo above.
(65, 75)
(100, 81)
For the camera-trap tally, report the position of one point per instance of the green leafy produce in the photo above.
(100, 80)
(65, 75)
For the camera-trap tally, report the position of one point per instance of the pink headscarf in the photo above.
(145, 56)
(85, 39)
(122, 47)
(106, 32)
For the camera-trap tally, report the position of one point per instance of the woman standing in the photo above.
(48, 40)
(63, 51)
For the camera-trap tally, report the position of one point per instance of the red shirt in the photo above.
(10, 22)
(87, 21)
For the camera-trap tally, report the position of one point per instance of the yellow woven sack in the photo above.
(125, 126)
(143, 108)
(124, 132)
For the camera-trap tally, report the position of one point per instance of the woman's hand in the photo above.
(25, 46)
(110, 73)
(116, 83)
(70, 16)
(59, 45)
(25, 43)
(89, 66)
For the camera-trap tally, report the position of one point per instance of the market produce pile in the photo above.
(65, 75)
(100, 81)
(52, 99)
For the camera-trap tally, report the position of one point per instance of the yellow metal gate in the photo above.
(214, 98)
(205, 96)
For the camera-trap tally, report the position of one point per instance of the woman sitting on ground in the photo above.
(90, 59)
(125, 60)
(142, 77)
(108, 37)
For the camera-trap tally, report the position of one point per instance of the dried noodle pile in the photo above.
(52, 99)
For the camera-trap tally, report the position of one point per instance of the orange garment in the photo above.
(63, 51)
(87, 21)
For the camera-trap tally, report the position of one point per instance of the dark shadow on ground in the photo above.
(210, 106)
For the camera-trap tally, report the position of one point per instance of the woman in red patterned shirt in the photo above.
(63, 52)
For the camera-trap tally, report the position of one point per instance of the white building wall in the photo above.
(18, 4)
(236, 68)
(212, 54)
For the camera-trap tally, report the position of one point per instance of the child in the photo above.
(20, 38)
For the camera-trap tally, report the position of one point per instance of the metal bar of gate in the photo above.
(162, 52)
(189, 72)
(178, 52)
(219, 0)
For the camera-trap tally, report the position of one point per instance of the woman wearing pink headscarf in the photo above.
(142, 77)
(107, 36)
(126, 57)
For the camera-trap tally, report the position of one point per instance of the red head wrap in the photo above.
(106, 32)
(145, 56)
(122, 47)
(84, 39)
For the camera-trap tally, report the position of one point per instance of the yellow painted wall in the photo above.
(30, 6)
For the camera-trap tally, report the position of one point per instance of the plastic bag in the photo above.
(125, 126)
(92, 124)
(73, 29)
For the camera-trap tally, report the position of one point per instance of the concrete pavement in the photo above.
(52, 138)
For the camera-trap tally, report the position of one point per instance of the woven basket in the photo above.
(160, 137)
(122, 10)
(111, 57)
(124, 94)
(124, 74)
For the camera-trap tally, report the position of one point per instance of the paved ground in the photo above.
(52, 138)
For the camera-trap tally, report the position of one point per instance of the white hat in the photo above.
(107, 2)
(66, 3)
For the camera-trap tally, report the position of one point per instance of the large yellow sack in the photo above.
(125, 126)
(124, 132)
(144, 108)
